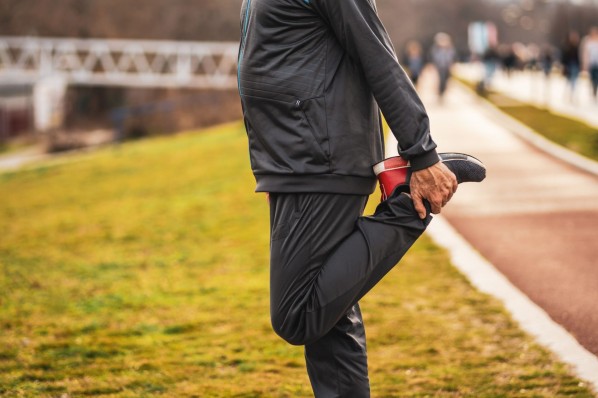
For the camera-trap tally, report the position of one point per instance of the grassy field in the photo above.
(142, 271)
(572, 134)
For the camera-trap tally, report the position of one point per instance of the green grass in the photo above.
(572, 134)
(142, 271)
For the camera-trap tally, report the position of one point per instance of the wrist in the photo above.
(424, 161)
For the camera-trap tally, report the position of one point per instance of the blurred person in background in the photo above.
(571, 62)
(590, 58)
(491, 60)
(443, 57)
(532, 57)
(546, 59)
(414, 60)
(508, 58)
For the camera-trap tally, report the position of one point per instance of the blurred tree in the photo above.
(131, 19)
(517, 20)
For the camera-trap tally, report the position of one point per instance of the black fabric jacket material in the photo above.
(313, 77)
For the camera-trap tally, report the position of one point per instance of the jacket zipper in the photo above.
(243, 42)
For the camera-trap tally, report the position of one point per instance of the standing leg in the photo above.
(337, 363)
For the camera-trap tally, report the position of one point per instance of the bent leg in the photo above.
(315, 278)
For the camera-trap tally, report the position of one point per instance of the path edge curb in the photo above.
(533, 319)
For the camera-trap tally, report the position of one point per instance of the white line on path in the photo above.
(533, 319)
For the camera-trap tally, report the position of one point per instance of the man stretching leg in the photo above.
(313, 77)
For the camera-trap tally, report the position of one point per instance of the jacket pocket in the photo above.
(314, 111)
(282, 137)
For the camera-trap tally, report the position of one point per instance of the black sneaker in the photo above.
(396, 172)
(465, 167)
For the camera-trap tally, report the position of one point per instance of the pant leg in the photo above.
(316, 278)
(337, 363)
(443, 77)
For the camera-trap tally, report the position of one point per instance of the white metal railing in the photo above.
(130, 63)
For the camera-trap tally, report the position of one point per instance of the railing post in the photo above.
(46, 59)
(183, 64)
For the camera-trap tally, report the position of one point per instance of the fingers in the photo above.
(436, 206)
(436, 184)
(419, 207)
(455, 184)
(449, 190)
(437, 201)
(448, 196)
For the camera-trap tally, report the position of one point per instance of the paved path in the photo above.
(534, 217)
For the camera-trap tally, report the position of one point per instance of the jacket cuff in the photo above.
(424, 161)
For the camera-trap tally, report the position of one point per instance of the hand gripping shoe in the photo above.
(395, 172)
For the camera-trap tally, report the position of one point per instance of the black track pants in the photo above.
(324, 258)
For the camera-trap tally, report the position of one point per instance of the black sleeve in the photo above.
(360, 32)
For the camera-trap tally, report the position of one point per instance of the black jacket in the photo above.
(312, 74)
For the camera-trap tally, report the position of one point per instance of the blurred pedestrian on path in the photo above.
(590, 59)
(414, 60)
(443, 56)
(546, 63)
(509, 59)
(571, 62)
(491, 59)
(546, 59)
